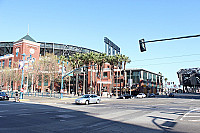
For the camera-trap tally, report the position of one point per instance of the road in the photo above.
(160, 114)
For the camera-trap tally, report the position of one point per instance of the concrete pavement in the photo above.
(161, 114)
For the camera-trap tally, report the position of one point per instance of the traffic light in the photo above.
(142, 45)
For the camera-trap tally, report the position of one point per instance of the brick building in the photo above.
(130, 80)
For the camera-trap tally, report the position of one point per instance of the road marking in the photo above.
(187, 114)
(3, 111)
(3, 104)
(191, 116)
(23, 114)
(193, 120)
(65, 116)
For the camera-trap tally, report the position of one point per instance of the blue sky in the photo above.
(86, 22)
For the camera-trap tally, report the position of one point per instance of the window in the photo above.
(117, 81)
(40, 80)
(3, 63)
(10, 61)
(154, 78)
(105, 74)
(45, 80)
(145, 76)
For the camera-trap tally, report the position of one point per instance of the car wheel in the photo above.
(86, 102)
(98, 101)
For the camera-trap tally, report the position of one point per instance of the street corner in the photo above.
(24, 100)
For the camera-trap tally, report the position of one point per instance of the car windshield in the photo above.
(85, 96)
(140, 94)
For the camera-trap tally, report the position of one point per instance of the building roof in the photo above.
(27, 37)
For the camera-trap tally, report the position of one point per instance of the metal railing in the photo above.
(11, 94)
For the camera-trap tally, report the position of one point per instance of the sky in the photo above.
(85, 23)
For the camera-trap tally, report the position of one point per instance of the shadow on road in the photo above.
(34, 118)
(181, 95)
(166, 125)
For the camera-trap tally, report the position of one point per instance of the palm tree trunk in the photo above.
(84, 83)
(117, 84)
(76, 84)
(69, 86)
(95, 81)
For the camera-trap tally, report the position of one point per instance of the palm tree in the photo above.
(91, 62)
(117, 61)
(85, 62)
(101, 59)
(77, 61)
(72, 64)
(120, 66)
(111, 60)
(125, 60)
(95, 60)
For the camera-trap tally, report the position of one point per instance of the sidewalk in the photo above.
(65, 100)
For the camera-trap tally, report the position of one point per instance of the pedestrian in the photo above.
(17, 97)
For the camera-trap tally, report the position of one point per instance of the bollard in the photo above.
(42, 94)
(35, 94)
(54, 94)
(28, 93)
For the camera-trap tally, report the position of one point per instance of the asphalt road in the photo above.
(161, 114)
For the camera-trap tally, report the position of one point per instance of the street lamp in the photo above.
(32, 51)
(61, 90)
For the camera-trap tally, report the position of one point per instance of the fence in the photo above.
(11, 94)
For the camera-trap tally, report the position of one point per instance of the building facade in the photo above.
(91, 80)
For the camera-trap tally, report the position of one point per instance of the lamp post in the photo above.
(23, 63)
(61, 90)
(63, 75)
(21, 94)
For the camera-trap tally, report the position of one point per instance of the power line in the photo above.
(167, 57)
(168, 63)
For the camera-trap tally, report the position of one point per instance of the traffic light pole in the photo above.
(64, 75)
(174, 38)
(142, 42)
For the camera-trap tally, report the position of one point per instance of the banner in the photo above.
(21, 64)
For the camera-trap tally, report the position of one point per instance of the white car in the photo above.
(141, 95)
(87, 99)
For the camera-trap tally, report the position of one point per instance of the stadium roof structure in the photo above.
(46, 47)
(27, 37)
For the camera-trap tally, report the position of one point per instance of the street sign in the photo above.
(71, 74)
(104, 82)
(77, 71)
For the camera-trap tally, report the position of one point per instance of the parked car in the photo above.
(152, 95)
(171, 94)
(87, 99)
(141, 95)
(125, 96)
(4, 96)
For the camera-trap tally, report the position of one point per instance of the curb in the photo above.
(67, 98)
(22, 100)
